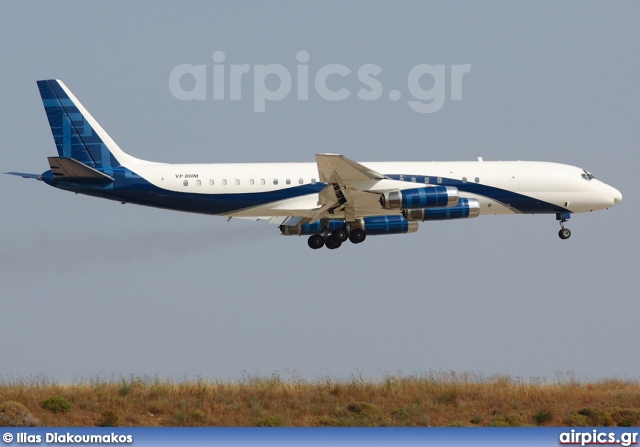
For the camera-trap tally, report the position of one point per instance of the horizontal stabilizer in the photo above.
(24, 175)
(70, 170)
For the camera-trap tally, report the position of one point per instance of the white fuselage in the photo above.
(561, 185)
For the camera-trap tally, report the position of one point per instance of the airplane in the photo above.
(332, 200)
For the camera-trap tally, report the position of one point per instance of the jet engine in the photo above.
(427, 197)
(465, 209)
(375, 225)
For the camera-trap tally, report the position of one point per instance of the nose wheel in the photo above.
(564, 233)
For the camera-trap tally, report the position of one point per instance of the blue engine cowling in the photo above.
(375, 225)
(465, 209)
(389, 225)
(418, 198)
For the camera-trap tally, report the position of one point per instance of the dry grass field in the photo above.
(434, 399)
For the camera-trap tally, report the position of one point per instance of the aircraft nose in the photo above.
(617, 196)
(611, 195)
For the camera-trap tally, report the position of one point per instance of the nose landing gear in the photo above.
(564, 233)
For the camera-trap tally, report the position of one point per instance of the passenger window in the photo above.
(313, 181)
(426, 179)
(198, 182)
(300, 181)
(413, 179)
(477, 179)
(439, 179)
(464, 180)
(262, 181)
(402, 177)
(251, 182)
(275, 181)
(185, 182)
(210, 182)
(224, 182)
(237, 181)
(288, 181)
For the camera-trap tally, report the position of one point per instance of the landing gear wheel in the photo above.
(315, 241)
(357, 235)
(340, 235)
(332, 244)
(564, 233)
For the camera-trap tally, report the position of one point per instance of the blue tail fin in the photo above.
(76, 133)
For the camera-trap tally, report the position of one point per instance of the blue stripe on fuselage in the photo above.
(132, 188)
(518, 202)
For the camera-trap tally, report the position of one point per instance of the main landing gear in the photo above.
(564, 233)
(336, 238)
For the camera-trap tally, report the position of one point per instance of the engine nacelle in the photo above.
(465, 209)
(375, 225)
(428, 197)
(389, 225)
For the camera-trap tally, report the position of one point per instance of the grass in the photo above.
(433, 399)
(57, 404)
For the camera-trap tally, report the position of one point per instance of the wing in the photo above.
(352, 188)
(334, 168)
(353, 191)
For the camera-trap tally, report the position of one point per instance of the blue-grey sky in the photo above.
(91, 287)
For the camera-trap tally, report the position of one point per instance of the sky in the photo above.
(90, 287)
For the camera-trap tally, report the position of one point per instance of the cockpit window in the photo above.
(587, 175)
